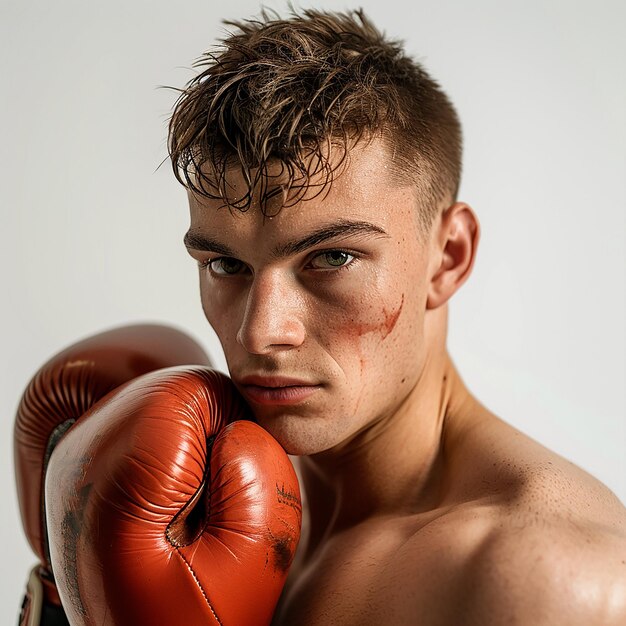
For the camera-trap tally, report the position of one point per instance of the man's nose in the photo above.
(273, 315)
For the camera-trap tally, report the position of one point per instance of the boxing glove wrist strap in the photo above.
(41, 605)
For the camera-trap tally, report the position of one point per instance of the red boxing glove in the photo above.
(163, 510)
(58, 395)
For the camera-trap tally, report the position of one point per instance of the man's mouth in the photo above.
(277, 390)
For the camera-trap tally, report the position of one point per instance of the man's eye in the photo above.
(332, 259)
(225, 266)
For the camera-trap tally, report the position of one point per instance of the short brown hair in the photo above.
(283, 90)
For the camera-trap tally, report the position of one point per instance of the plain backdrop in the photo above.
(92, 229)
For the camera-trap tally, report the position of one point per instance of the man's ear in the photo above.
(455, 241)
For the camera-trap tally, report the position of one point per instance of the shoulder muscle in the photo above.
(552, 573)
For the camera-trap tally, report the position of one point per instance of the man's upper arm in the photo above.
(545, 576)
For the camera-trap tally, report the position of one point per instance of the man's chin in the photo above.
(297, 435)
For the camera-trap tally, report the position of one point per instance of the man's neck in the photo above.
(394, 466)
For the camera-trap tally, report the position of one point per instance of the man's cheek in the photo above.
(359, 322)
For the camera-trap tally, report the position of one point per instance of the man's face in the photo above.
(319, 309)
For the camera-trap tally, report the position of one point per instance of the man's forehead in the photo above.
(359, 174)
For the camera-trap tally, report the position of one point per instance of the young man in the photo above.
(322, 166)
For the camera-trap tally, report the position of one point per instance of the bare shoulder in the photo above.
(559, 571)
(535, 539)
(528, 483)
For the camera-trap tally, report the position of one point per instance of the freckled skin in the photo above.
(420, 505)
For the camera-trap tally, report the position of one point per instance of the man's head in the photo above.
(329, 281)
(284, 91)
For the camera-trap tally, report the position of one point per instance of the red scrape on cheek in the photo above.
(390, 319)
(384, 328)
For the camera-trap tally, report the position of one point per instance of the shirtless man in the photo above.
(327, 280)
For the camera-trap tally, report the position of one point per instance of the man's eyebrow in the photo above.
(198, 241)
(341, 228)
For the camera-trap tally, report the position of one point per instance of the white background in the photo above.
(92, 231)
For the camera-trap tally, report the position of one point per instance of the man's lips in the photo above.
(276, 389)
(273, 381)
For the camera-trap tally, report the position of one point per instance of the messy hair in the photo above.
(285, 91)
